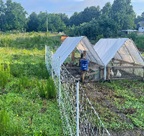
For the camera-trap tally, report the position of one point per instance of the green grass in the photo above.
(29, 40)
(28, 97)
(28, 103)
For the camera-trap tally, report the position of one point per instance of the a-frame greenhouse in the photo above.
(120, 57)
(111, 58)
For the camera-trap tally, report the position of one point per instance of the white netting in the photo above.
(78, 115)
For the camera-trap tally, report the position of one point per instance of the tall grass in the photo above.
(27, 93)
(47, 90)
(4, 74)
(9, 126)
(29, 40)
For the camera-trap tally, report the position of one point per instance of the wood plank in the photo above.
(119, 67)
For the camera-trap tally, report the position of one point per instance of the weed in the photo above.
(22, 75)
(47, 89)
(8, 125)
(4, 74)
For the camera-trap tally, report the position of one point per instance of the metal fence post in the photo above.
(59, 78)
(77, 108)
(105, 73)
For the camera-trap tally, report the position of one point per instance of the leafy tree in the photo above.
(107, 27)
(75, 19)
(106, 10)
(90, 29)
(139, 19)
(106, 23)
(33, 22)
(55, 23)
(85, 16)
(2, 14)
(89, 13)
(15, 16)
(42, 21)
(64, 18)
(123, 14)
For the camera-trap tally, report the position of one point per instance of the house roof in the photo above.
(119, 48)
(69, 44)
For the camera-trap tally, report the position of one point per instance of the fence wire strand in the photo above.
(90, 123)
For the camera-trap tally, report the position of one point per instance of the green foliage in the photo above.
(109, 21)
(55, 23)
(4, 74)
(138, 39)
(9, 125)
(92, 22)
(122, 12)
(13, 16)
(32, 22)
(127, 100)
(87, 15)
(140, 42)
(29, 40)
(22, 74)
(46, 22)
(47, 90)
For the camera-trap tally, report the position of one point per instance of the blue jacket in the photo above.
(84, 64)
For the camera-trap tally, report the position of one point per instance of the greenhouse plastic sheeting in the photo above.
(69, 44)
(120, 48)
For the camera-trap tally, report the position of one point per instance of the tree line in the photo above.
(92, 22)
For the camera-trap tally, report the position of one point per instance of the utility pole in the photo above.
(46, 21)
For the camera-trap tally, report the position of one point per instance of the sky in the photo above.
(70, 6)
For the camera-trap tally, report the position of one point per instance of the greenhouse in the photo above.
(120, 57)
(111, 58)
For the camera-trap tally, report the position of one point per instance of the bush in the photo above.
(138, 39)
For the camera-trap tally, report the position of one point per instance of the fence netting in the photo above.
(79, 117)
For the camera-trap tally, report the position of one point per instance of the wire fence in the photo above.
(79, 117)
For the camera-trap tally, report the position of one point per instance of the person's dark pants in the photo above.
(83, 73)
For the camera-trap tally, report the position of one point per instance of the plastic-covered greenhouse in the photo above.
(121, 58)
(74, 46)
(109, 58)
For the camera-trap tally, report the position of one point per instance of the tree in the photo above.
(89, 13)
(123, 14)
(33, 22)
(75, 19)
(64, 18)
(2, 15)
(106, 10)
(139, 20)
(107, 27)
(42, 21)
(15, 16)
(106, 23)
(85, 16)
(55, 23)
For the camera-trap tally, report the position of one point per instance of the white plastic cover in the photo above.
(120, 48)
(69, 44)
(63, 52)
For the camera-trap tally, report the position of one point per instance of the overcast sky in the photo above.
(70, 6)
